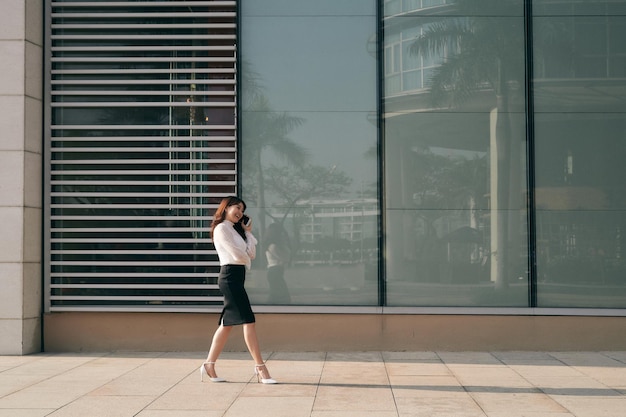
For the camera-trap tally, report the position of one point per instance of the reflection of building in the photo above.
(349, 226)
(351, 220)
(462, 139)
(574, 224)
(503, 212)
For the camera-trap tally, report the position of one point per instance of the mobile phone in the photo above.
(245, 220)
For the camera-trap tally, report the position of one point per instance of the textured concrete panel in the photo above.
(31, 335)
(34, 21)
(32, 235)
(33, 56)
(11, 179)
(12, 123)
(32, 125)
(32, 290)
(11, 244)
(32, 179)
(11, 340)
(12, 19)
(12, 67)
(11, 294)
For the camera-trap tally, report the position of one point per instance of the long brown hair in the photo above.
(220, 214)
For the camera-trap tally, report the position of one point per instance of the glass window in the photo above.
(580, 150)
(455, 176)
(309, 149)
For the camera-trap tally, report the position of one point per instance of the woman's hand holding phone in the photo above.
(246, 222)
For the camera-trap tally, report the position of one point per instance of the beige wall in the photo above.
(21, 66)
(324, 332)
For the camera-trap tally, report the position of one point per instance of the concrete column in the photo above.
(21, 68)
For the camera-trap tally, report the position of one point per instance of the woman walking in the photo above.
(236, 248)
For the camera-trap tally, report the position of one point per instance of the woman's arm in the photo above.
(250, 240)
(251, 245)
(229, 243)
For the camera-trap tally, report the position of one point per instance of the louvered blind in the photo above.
(142, 148)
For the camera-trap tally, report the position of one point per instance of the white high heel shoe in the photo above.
(204, 372)
(259, 377)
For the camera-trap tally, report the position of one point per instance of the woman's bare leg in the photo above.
(252, 341)
(217, 345)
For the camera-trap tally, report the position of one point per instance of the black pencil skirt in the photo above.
(237, 309)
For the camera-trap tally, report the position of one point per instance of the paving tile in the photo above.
(424, 386)
(103, 406)
(354, 414)
(618, 356)
(150, 377)
(584, 359)
(317, 384)
(198, 396)
(179, 413)
(135, 385)
(611, 377)
(49, 365)
(44, 395)
(490, 377)
(14, 383)
(587, 406)
(299, 357)
(404, 368)
(352, 398)
(546, 369)
(350, 357)
(25, 412)
(282, 389)
(411, 357)
(271, 407)
(522, 357)
(504, 400)
(469, 358)
(291, 365)
(8, 362)
(523, 413)
(347, 374)
(581, 385)
(458, 404)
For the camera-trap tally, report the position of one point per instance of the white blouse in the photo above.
(230, 246)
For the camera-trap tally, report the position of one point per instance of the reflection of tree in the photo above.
(446, 182)
(267, 130)
(295, 183)
(441, 181)
(485, 54)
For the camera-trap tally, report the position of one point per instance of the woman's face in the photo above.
(234, 212)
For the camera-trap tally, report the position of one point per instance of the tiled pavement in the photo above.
(317, 384)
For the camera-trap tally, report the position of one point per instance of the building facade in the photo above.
(442, 174)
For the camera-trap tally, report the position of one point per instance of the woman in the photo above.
(278, 254)
(236, 248)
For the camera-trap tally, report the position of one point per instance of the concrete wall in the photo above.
(21, 63)
(334, 332)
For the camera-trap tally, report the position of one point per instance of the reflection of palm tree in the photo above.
(484, 54)
(265, 129)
